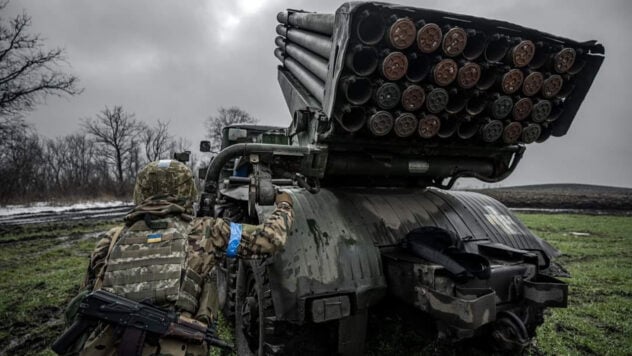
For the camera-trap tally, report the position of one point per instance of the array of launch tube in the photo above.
(423, 79)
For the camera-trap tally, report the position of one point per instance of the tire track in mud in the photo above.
(95, 213)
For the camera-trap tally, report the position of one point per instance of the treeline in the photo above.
(100, 160)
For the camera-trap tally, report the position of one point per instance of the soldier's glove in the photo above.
(283, 197)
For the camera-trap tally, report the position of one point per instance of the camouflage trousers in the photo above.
(104, 343)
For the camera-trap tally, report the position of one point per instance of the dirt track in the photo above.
(95, 213)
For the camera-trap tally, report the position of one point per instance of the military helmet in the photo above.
(168, 177)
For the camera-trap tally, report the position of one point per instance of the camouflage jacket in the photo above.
(207, 239)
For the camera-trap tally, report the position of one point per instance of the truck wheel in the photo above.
(255, 319)
(226, 288)
(258, 332)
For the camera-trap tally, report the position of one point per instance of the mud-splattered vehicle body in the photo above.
(370, 177)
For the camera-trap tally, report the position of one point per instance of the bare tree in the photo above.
(28, 72)
(157, 141)
(180, 145)
(20, 163)
(80, 161)
(117, 132)
(225, 117)
(55, 156)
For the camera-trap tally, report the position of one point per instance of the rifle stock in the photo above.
(103, 306)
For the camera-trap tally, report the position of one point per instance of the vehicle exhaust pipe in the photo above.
(321, 23)
(314, 42)
(362, 60)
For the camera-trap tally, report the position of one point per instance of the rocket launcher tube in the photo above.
(309, 60)
(467, 129)
(448, 127)
(352, 118)
(321, 23)
(418, 67)
(476, 42)
(314, 42)
(357, 90)
(362, 60)
(496, 49)
(370, 28)
(315, 86)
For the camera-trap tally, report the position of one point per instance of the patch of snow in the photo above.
(45, 207)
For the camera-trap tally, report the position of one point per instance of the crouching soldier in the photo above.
(162, 255)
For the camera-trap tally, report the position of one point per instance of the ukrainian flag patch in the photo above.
(153, 238)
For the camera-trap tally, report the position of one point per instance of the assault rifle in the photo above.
(136, 319)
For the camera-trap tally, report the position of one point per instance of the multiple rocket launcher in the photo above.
(412, 73)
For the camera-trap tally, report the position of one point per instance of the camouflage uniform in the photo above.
(164, 255)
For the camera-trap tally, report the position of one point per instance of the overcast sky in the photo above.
(181, 60)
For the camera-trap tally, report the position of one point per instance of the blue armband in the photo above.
(235, 238)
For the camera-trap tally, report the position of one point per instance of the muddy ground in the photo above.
(42, 266)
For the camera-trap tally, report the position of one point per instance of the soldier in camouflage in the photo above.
(164, 255)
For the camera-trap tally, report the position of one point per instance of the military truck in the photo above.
(389, 106)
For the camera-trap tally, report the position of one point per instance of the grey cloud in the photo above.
(180, 61)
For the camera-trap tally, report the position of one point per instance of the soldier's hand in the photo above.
(283, 197)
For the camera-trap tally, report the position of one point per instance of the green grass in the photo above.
(39, 274)
(598, 319)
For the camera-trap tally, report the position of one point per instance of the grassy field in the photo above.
(564, 196)
(41, 268)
